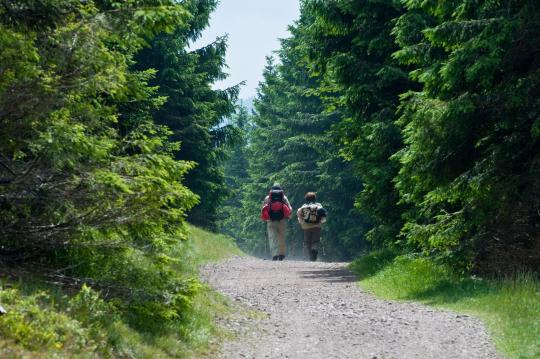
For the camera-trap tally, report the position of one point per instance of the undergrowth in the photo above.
(510, 307)
(44, 320)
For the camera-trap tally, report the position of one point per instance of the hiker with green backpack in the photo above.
(311, 217)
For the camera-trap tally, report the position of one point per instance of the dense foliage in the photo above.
(231, 212)
(416, 122)
(466, 176)
(288, 143)
(92, 186)
(194, 112)
(43, 321)
(432, 108)
(351, 43)
(470, 164)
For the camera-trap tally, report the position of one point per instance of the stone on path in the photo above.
(315, 310)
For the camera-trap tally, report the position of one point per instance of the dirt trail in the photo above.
(316, 310)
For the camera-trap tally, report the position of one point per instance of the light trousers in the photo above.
(276, 237)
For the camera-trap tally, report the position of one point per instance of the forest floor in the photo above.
(296, 309)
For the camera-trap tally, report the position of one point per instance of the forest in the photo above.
(416, 122)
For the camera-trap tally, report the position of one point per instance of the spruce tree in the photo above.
(89, 187)
(194, 111)
(351, 44)
(470, 164)
(291, 143)
(236, 178)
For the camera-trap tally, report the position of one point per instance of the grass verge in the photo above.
(44, 321)
(205, 247)
(510, 308)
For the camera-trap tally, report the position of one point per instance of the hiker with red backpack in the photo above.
(311, 217)
(275, 212)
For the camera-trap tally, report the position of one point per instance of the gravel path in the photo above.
(316, 310)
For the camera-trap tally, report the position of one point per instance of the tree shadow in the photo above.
(370, 264)
(337, 275)
(448, 291)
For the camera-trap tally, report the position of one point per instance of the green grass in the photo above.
(206, 246)
(510, 308)
(46, 321)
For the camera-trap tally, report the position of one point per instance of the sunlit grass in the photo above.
(206, 246)
(509, 307)
(45, 321)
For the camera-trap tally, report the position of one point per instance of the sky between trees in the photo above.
(254, 28)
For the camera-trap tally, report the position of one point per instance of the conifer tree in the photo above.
(194, 111)
(351, 44)
(291, 144)
(470, 164)
(89, 187)
(236, 177)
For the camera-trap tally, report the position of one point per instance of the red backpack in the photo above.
(276, 207)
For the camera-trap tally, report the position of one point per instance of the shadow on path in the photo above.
(338, 275)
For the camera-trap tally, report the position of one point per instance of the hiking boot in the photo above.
(281, 257)
(313, 255)
(274, 258)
